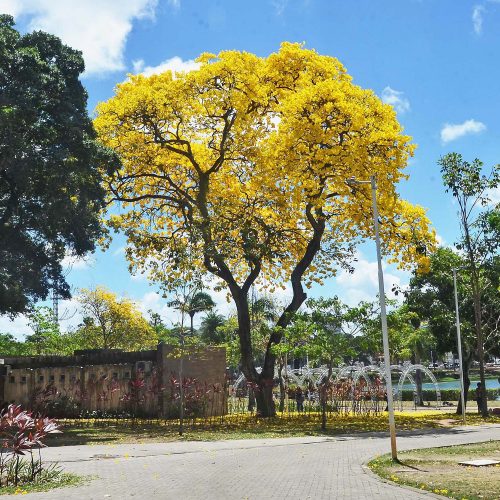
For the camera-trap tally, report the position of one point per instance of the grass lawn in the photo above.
(437, 470)
(77, 432)
(62, 480)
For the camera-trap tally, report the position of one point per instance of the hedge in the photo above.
(449, 394)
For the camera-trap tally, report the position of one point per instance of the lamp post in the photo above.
(459, 343)
(383, 312)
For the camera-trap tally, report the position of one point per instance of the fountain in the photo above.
(354, 388)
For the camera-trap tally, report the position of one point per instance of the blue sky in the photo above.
(436, 61)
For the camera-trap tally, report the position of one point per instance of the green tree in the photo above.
(409, 339)
(490, 304)
(328, 332)
(399, 328)
(111, 322)
(229, 331)
(9, 346)
(157, 324)
(480, 229)
(419, 341)
(336, 330)
(431, 297)
(210, 328)
(50, 186)
(46, 337)
(199, 302)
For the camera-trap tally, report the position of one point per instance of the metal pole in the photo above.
(459, 343)
(181, 386)
(286, 380)
(383, 317)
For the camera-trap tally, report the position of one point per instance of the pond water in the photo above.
(491, 383)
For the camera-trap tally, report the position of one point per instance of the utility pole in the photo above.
(383, 313)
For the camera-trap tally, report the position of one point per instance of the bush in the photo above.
(448, 394)
(21, 434)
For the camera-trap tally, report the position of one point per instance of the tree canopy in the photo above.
(480, 228)
(111, 322)
(238, 168)
(50, 191)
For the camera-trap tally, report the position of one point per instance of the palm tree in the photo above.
(208, 328)
(193, 303)
(199, 302)
(263, 310)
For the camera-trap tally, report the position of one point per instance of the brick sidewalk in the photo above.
(295, 468)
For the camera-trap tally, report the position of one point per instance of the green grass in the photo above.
(437, 470)
(247, 427)
(62, 480)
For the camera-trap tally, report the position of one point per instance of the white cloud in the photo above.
(440, 240)
(72, 262)
(477, 19)
(494, 195)
(119, 251)
(176, 4)
(139, 277)
(451, 132)
(153, 301)
(157, 303)
(99, 28)
(17, 327)
(138, 65)
(11, 7)
(174, 64)
(396, 99)
(362, 284)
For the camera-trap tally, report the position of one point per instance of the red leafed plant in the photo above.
(21, 433)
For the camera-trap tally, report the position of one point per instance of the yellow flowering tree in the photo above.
(238, 168)
(112, 323)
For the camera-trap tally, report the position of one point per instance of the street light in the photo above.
(383, 313)
(459, 343)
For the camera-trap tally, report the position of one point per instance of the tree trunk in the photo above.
(467, 362)
(480, 352)
(264, 398)
(215, 263)
(476, 292)
(262, 383)
(282, 386)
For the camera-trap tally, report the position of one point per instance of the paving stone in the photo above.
(296, 468)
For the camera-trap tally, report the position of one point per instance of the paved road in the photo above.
(295, 468)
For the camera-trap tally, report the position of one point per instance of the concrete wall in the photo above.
(203, 366)
(143, 382)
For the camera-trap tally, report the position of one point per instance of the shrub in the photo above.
(448, 394)
(21, 434)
